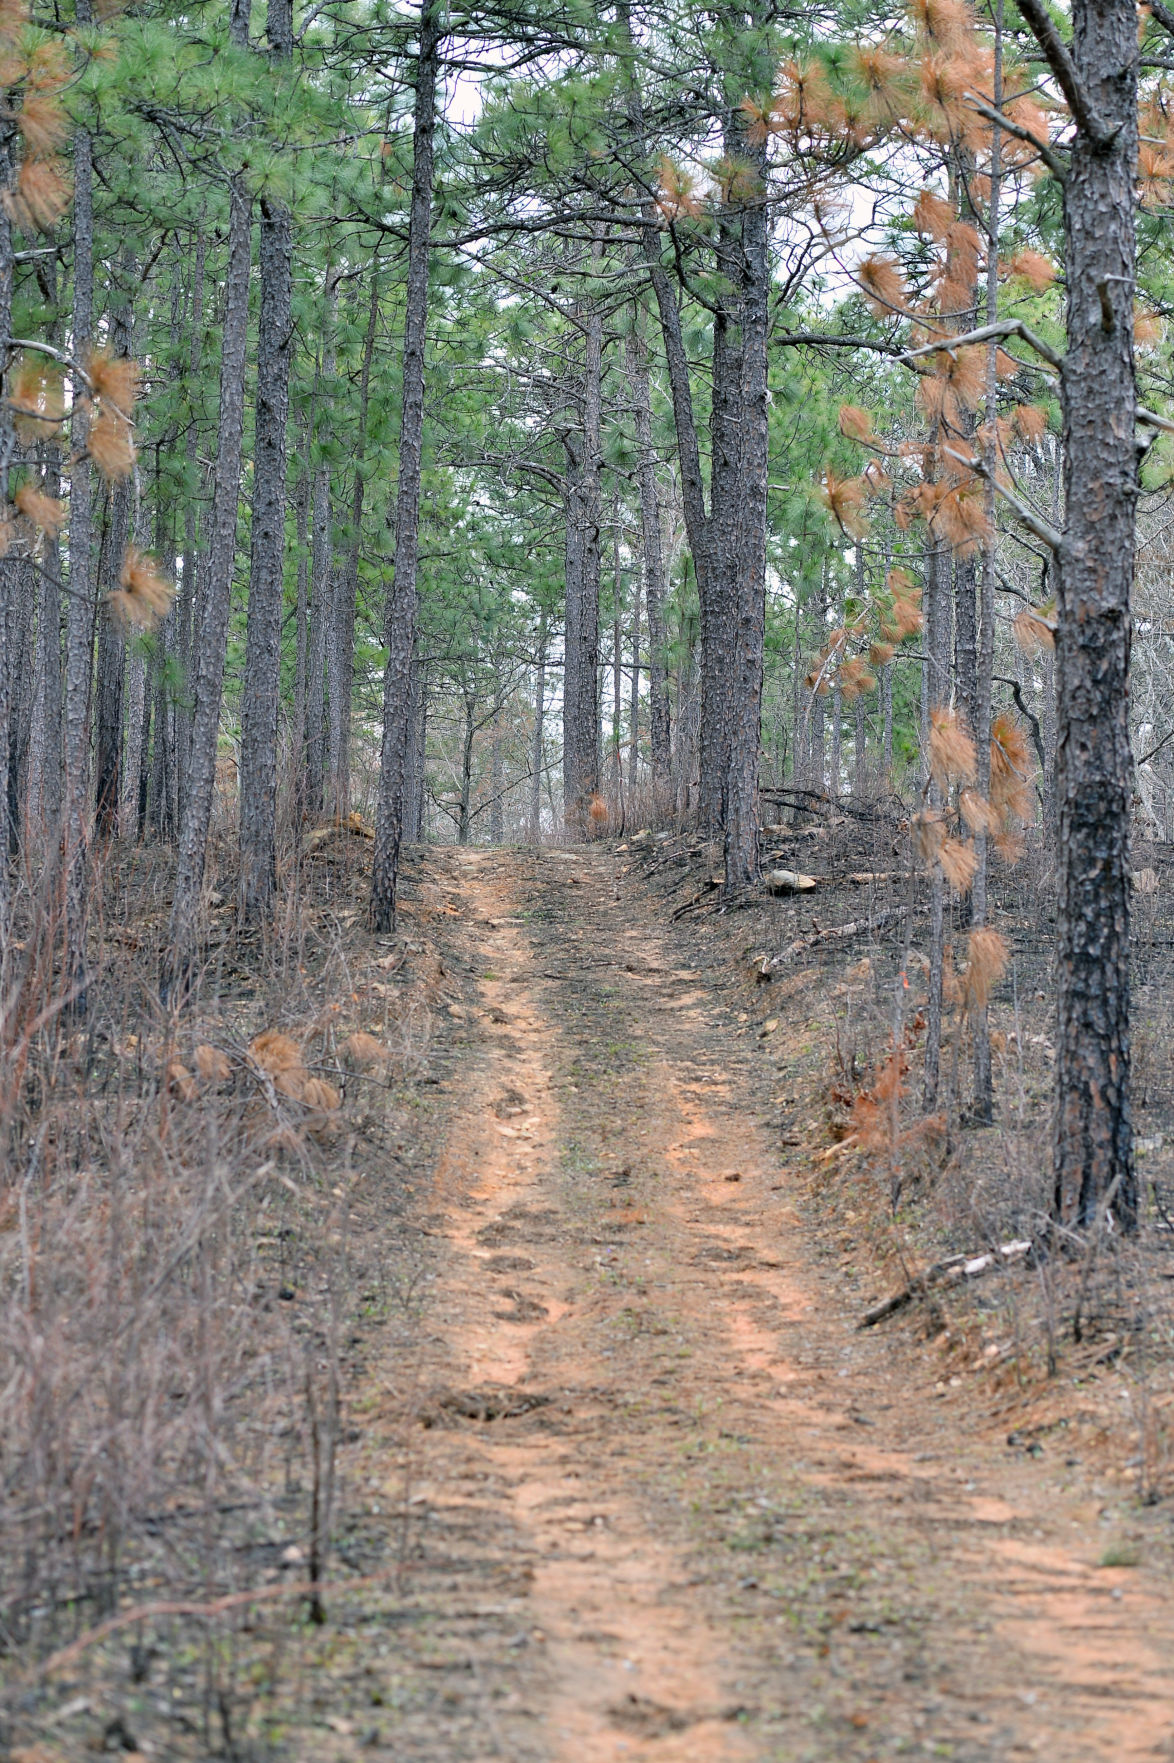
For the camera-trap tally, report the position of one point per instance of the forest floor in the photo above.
(622, 1476)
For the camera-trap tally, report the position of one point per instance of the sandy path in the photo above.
(735, 1529)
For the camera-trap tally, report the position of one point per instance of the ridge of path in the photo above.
(659, 1499)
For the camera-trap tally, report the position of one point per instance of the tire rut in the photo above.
(717, 1523)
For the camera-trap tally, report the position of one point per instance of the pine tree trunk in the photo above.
(187, 611)
(538, 753)
(740, 793)
(985, 658)
(341, 647)
(1093, 1146)
(137, 694)
(887, 711)
(496, 786)
(966, 635)
(400, 630)
(321, 569)
(1048, 732)
(212, 637)
(464, 824)
(9, 567)
(696, 725)
(819, 767)
(417, 748)
(111, 669)
(718, 585)
(634, 702)
(79, 635)
(937, 689)
(262, 683)
(581, 639)
(653, 555)
(340, 637)
(111, 672)
(617, 681)
(48, 752)
(159, 803)
(143, 778)
(22, 676)
(301, 502)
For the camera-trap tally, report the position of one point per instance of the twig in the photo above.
(1035, 523)
(189, 1607)
(1050, 158)
(989, 333)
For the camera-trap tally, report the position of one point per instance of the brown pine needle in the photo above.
(952, 758)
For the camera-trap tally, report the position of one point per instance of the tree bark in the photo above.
(400, 632)
(937, 691)
(111, 671)
(417, 748)
(22, 675)
(581, 638)
(748, 595)
(49, 708)
(966, 635)
(321, 566)
(79, 635)
(1093, 1143)
(212, 638)
(985, 635)
(465, 821)
(187, 612)
(634, 701)
(819, 771)
(617, 675)
(301, 502)
(886, 685)
(341, 648)
(262, 683)
(496, 785)
(538, 753)
(652, 555)
(9, 565)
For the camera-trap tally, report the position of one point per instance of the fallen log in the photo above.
(838, 933)
(953, 1271)
(789, 881)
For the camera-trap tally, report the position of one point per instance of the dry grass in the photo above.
(185, 1236)
(1076, 1345)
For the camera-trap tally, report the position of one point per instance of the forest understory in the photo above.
(506, 1396)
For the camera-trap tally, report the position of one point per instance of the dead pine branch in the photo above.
(955, 1270)
(839, 933)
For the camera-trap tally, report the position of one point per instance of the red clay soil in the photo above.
(661, 1498)
(623, 1479)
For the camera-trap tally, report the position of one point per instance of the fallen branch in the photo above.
(838, 933)
(703, 894)
(952, 1271)
(165, 1607)
(817, 801)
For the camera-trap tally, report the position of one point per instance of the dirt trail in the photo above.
(667, 1503)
